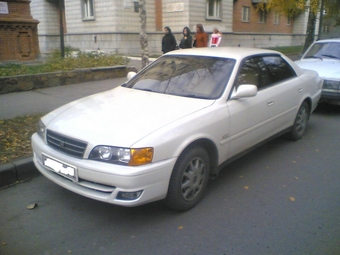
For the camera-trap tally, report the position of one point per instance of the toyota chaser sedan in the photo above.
(177, 122)
(324, 57)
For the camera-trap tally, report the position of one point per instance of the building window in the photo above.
(263, 16)
(277, 18)
(245, 13)
(213, 9)
(289, 21)
(325, 28)
(88, 10)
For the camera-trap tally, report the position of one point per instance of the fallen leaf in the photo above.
(4, 243)
(180, 227)
(241, 176)
(31, 206)
(246, 187)
(292, 199)
(296, 178)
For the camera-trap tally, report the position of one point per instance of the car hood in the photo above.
(326, 68)
(120, 117)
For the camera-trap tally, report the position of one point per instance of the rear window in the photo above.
(188, 76)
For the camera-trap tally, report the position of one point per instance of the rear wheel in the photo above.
(189, 179)
(300, 123)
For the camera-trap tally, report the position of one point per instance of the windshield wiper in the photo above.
(330, 56)
(144, 89)
(314, 57)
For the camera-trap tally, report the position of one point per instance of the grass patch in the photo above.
(15, 137)
(288, 49)
(70, 62)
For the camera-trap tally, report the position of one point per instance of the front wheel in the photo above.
(300, 123)
(189, 179)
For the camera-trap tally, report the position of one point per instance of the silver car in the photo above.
(324, 57)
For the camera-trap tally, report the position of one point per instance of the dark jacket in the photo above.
(169, 42)
(186, 42)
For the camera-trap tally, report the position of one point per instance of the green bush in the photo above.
(70, 62)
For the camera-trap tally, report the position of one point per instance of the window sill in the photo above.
(213, 18)
(89, 19)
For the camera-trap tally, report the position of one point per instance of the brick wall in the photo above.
(254, 24)
(18, 33)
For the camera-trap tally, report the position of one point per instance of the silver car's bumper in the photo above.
(104, 181)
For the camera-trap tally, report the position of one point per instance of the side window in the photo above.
(278, 69)
(87, 9)
(253, 71)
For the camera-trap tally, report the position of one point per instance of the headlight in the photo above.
(41, 129)
(124, 156)
(328, 84)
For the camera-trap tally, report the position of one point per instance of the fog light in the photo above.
(129, 195)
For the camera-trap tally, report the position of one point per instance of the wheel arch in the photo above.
(210, 148)
(308, 100)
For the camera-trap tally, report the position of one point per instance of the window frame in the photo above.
(216, 9)
(276, 18)
(245, 14)
(262, 17)
(289, 21)
(87, 7)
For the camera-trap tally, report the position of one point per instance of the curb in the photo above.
(17, 171)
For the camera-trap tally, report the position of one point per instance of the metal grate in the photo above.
(65, 144)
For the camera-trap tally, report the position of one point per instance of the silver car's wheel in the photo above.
(300, 123)
(189, 179)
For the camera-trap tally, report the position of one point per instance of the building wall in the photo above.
(254, 25)
(116, 25)
(49, 29)
(18, 32)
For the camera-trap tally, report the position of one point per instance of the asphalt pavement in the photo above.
(43, 101)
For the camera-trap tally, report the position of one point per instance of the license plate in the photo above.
(61, 168)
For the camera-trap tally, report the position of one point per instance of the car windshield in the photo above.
(324, 50)
(187, 76)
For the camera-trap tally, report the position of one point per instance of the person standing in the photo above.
(169, 42)
(201, 37)
(186, 41)
(215, 38)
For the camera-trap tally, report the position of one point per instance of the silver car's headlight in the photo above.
(41, 130)
(124, 156)
(334, 85)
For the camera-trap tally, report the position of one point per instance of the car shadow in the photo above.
(327, 109)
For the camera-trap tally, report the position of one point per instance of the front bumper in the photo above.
(104, 181)
(331, 96)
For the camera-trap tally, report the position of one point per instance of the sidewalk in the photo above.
(44, 101)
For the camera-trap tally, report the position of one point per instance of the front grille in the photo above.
(65, 144)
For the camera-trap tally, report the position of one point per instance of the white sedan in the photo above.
(176, 123)
(324, 57)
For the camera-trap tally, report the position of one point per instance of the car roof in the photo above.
(225, 52)
(329, 40)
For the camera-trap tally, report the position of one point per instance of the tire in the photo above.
(300, 123)
(189, 179)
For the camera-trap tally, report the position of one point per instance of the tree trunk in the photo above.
(310, 33)
(143, 34)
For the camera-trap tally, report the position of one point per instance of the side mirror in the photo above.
(246, 90)
(130, 75)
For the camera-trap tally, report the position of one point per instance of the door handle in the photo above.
(270, 103)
